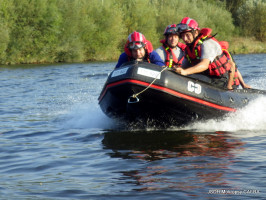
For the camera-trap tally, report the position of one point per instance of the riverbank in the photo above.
(237, 45)
(245, 45)
(59, 31)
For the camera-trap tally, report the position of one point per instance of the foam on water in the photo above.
(251, 117)
(89, 115)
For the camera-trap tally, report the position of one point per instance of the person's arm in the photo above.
(122, 59)
(156, 59)
(160, 51)
(200, 67)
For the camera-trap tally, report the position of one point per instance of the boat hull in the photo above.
(171, 99)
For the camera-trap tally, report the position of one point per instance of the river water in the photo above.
(55, 142)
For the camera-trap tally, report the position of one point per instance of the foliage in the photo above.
(252, 18)
(232, 6)
(36, 31)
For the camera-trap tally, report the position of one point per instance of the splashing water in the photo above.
(251, 117)
(84, 116)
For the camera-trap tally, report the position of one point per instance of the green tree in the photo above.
(206, 14)
(139, 15)
(104, 41)
(4, 30)
(232, 6)
(33, 31)
(69, 46)
(30, 25)
(252, 18)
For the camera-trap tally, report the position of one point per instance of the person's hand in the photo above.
(229, 87)
(174, 67)
(181, 71)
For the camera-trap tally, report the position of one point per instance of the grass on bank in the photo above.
(246, 45)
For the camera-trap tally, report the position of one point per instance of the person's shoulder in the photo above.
(210, 49)
(122, 59)
(123, 54)
(156, 59)
(154, 53)
(159, 49)
(210, 43)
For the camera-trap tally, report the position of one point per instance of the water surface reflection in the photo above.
(178, 160)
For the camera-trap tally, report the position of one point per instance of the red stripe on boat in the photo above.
(168, 91)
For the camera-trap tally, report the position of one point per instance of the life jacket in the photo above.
(170, 55)
(220, 66)
(148, 49)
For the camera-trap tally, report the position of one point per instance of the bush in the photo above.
(36, 31)
(252, 18)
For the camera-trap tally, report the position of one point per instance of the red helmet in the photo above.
(136, 40)
(170, 29)
(187, 24)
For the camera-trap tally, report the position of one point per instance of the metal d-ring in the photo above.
(133, 99)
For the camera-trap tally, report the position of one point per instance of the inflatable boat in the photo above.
(141, 91)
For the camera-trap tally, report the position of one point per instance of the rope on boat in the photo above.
(134, 98)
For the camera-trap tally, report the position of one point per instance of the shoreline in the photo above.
(244, 45)
(237, 46)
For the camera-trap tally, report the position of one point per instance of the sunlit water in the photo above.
(55, 142)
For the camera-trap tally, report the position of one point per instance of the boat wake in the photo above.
(249, 118)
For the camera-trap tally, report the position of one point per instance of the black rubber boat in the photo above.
(140, 91)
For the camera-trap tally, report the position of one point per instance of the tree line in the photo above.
(47, 31)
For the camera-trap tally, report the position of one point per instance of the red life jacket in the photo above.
(170, 55)
(148, 49)
(220, 66)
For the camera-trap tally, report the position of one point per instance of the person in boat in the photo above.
(139, 49)
(207, 55)
(172, 51)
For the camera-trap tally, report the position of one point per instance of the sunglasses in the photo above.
(136, 45)
(183, 27)
(172, 30)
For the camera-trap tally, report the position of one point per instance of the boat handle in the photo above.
(133, 99)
